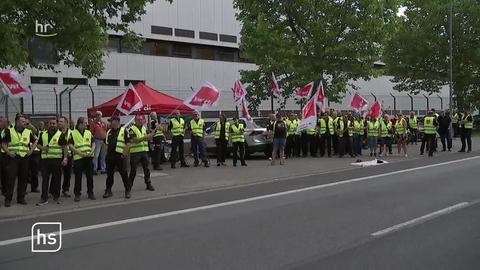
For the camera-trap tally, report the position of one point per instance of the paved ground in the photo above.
(171, 182)
(325, 221)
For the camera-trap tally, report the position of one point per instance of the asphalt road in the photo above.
(327, 221)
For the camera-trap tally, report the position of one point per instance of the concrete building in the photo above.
(187, 42)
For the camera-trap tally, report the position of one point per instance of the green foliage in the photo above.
(417, 55)
(81, 28)
(306, 40)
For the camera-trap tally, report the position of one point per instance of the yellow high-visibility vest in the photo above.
(138, 147)
(82, 143)
(178, 127)
(197, 127)
(218, 127)
(237, 133)
(54, 149)
(120, 140)
(19, 142)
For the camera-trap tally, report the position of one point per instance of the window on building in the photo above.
(209, 36)
(226, 54)
(184, 33)
(182, 50)
(157, 47)
(228, 38)
(43, 80)
(108, 82)
(113, 44)
(133, 82)
(126, 47)
(205, 52)
(75, 81)
(160, 30)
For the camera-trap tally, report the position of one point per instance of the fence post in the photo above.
(394, 103)
(33, 102)
(411, 102)
(93, 95)
(441, 101)
(375, 97)
(60, 97)
(428, 102)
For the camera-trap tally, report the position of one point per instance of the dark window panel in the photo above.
(133, 82)
(75, 81)
(209, 36)
(43, 80)
(160, 30)
(205, 52)
(228, 38)
(108, 82)
(182, 50)
(113, 44)
(184, 33)
(226, 54)
(43, 51)
(158, 48)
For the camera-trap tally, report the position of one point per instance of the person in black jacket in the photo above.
(444, 126)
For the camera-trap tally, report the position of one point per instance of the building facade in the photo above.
(186, 43)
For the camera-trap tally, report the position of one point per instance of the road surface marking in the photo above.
(421, 219)
(217, 205)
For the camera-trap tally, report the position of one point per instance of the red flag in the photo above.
(309, 115)
(320, 98)
(204, 97)
(10, 83)
(238, 92)
(245, 113)
(276, 91)
(375, 109)
(304, 91)
(358, 103)
(130, 101)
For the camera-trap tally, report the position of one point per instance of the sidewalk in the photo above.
(172, 182)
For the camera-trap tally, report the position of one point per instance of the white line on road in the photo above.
(421, 219)
(200, 208)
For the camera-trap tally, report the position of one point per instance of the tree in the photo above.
(81, 28)
(305, 40)
(418, 54)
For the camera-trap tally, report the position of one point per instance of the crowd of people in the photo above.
(92, 146)
(338, 134)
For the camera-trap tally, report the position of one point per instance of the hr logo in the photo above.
(44, 29)
(46, 237)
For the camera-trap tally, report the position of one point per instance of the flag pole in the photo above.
(271, 102)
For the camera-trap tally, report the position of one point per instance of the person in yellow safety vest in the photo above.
(401, 128)
(139, 150)
(157, 142)
(358, 127)
(385, 135)
(53, 145)
(466, 131)
(63, 126)
(34, 159)
(340, 127)
(292, 124)
(455, 120)
(197, 128)
(18, 143)
(82, 146)
(238, 140)
(177, 129)
(372, 133)
(118, 144)
(413, 128)
(348, 134)
(3, 173)
(430, 129)
(312, 141)
(221, 135)
(324, 141)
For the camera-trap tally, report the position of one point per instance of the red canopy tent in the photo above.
(153, 101)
